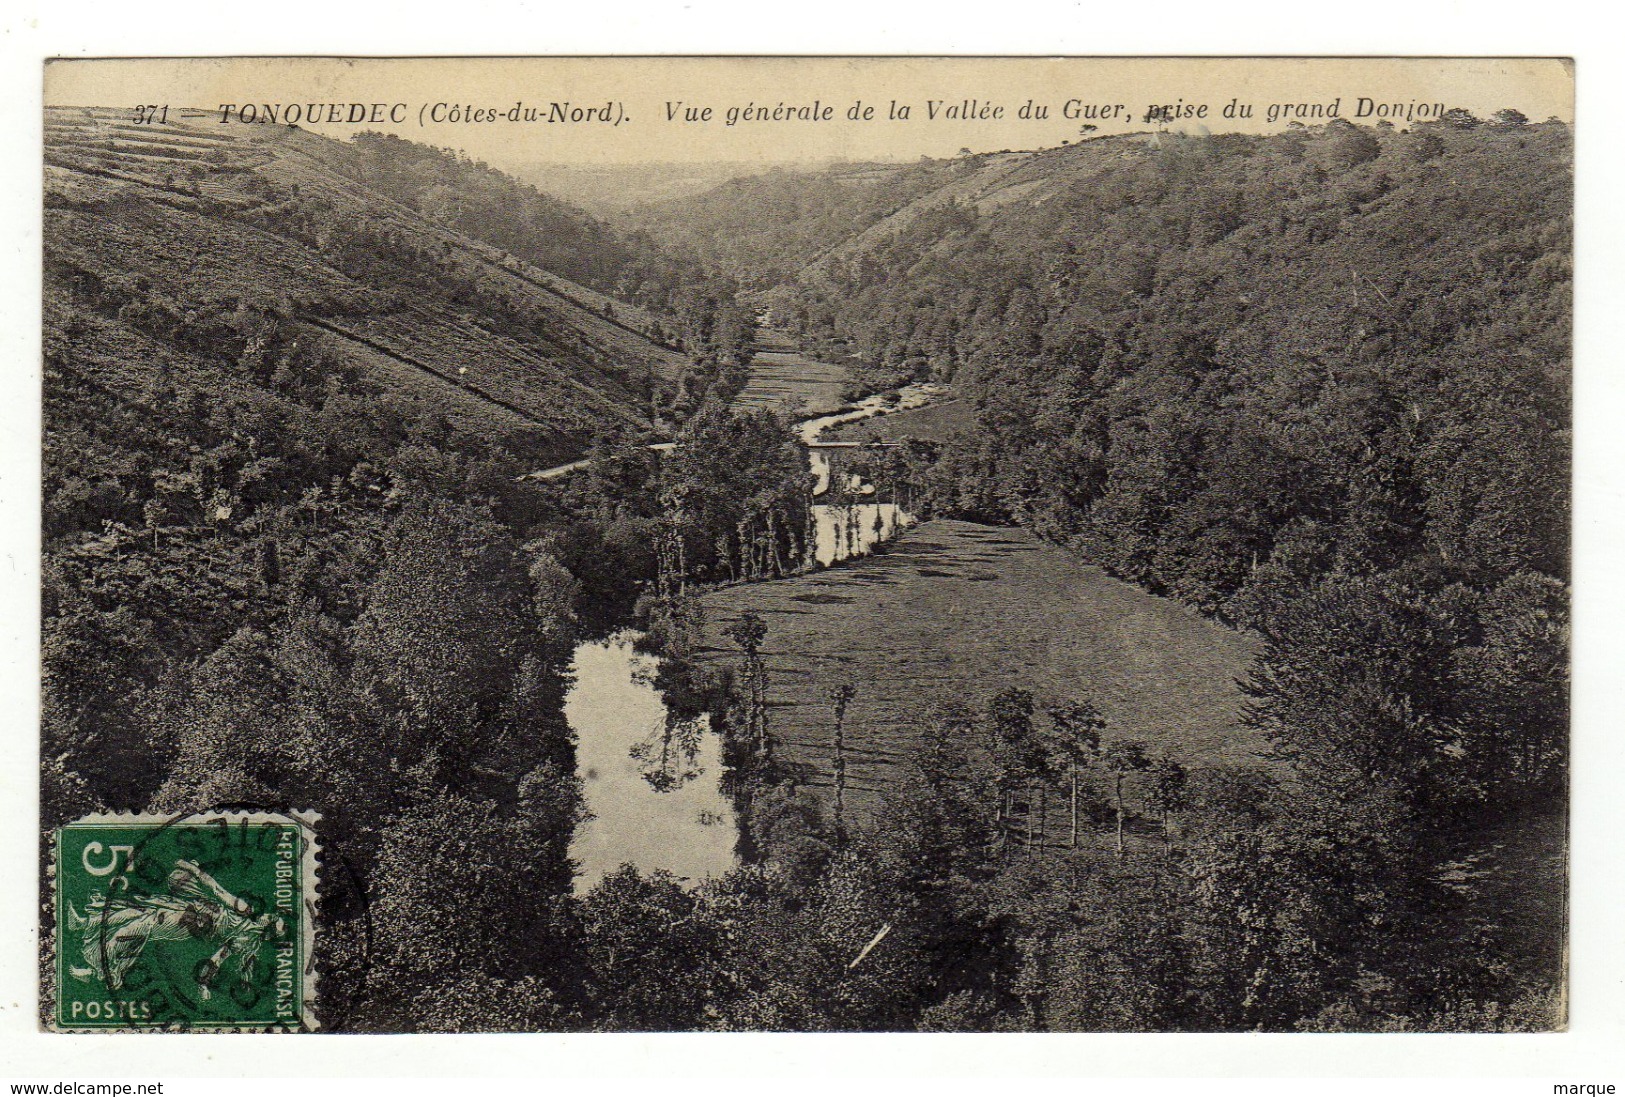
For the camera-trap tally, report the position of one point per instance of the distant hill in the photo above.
(764, 229)
(611, 189)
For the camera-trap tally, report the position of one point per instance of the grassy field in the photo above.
(959, 611)
(781, 376)
(939, 422)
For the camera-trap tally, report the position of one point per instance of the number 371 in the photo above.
(151, 114)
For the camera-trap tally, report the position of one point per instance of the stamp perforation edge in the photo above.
(309, 874)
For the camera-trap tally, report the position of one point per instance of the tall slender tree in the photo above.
(1122, 757)
(748, 632)
(1074, 741)
(841, 694)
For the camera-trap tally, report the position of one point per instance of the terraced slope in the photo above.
(195, 217)
(782, 376)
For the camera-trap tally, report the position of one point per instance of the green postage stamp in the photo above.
(194, 922)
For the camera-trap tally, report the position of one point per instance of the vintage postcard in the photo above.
(806, 544)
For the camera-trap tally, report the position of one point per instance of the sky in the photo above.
(649, 100)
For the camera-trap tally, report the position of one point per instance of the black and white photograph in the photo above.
(806, 545)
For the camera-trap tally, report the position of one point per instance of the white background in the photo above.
(1589, 1052)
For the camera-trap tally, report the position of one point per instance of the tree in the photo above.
(1074, 738)
(1121, 757)
(451, 900)
(485, 1003)
(1017, 752)
(1351, 688)
(554, 593)
(1100, 947)
(788, 829)
(841, 695)
(748, 631)
(1350, 145)
(1169, 791)
(448, 618)
(1513, 704)
(651, 953)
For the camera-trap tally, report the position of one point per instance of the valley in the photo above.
(1119, 586)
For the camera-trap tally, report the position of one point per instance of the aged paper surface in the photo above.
(828, 544)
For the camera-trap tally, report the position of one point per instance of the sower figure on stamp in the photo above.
(116, 931)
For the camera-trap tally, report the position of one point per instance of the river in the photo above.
(652, 788)
(851, 529)
(652, 783)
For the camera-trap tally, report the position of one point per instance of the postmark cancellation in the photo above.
(196, 922)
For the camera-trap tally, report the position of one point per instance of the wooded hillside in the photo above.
(1315, 385)
(291, 390)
